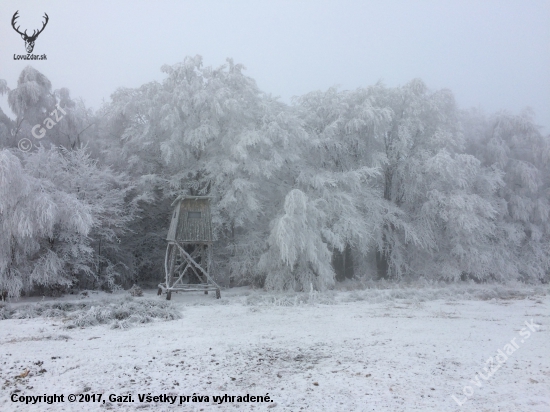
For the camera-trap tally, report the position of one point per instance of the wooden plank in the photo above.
(192, 229)
(172, 231)
(197, 265)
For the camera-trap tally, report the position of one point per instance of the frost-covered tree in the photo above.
(459, 208)
(47, 117)
(298, 257)
(56, 206)
(422, 124)
(341, 126)
(323, 213)
(205, 131)
(331, 193)
(514, 145)
(78, 124)
(432, 209)
(34, 215)
(3, 87)
(6, 124)
(112, 202)
(294, 189)
(31, 101)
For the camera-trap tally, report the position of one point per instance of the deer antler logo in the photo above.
(29, 40)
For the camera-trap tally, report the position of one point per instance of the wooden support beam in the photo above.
(196, 265)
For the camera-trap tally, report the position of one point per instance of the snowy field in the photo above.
(392, 349)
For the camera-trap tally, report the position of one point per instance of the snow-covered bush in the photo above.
(290, 298)
(135, 291)
(120, 313)
(5, 311)
(123, 313)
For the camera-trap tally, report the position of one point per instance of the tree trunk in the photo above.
(342, 262)
(383, 257)
(382, 265)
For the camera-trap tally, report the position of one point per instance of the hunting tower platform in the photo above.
(189, 252)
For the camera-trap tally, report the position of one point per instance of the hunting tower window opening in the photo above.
(193, 215)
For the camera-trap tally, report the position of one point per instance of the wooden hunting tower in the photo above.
(188, 255)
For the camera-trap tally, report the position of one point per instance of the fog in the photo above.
(491, 54)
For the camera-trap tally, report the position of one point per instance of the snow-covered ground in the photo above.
(367, 350)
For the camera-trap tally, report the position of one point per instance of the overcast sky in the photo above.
(492, 54)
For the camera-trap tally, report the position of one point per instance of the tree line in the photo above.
(386, 182)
